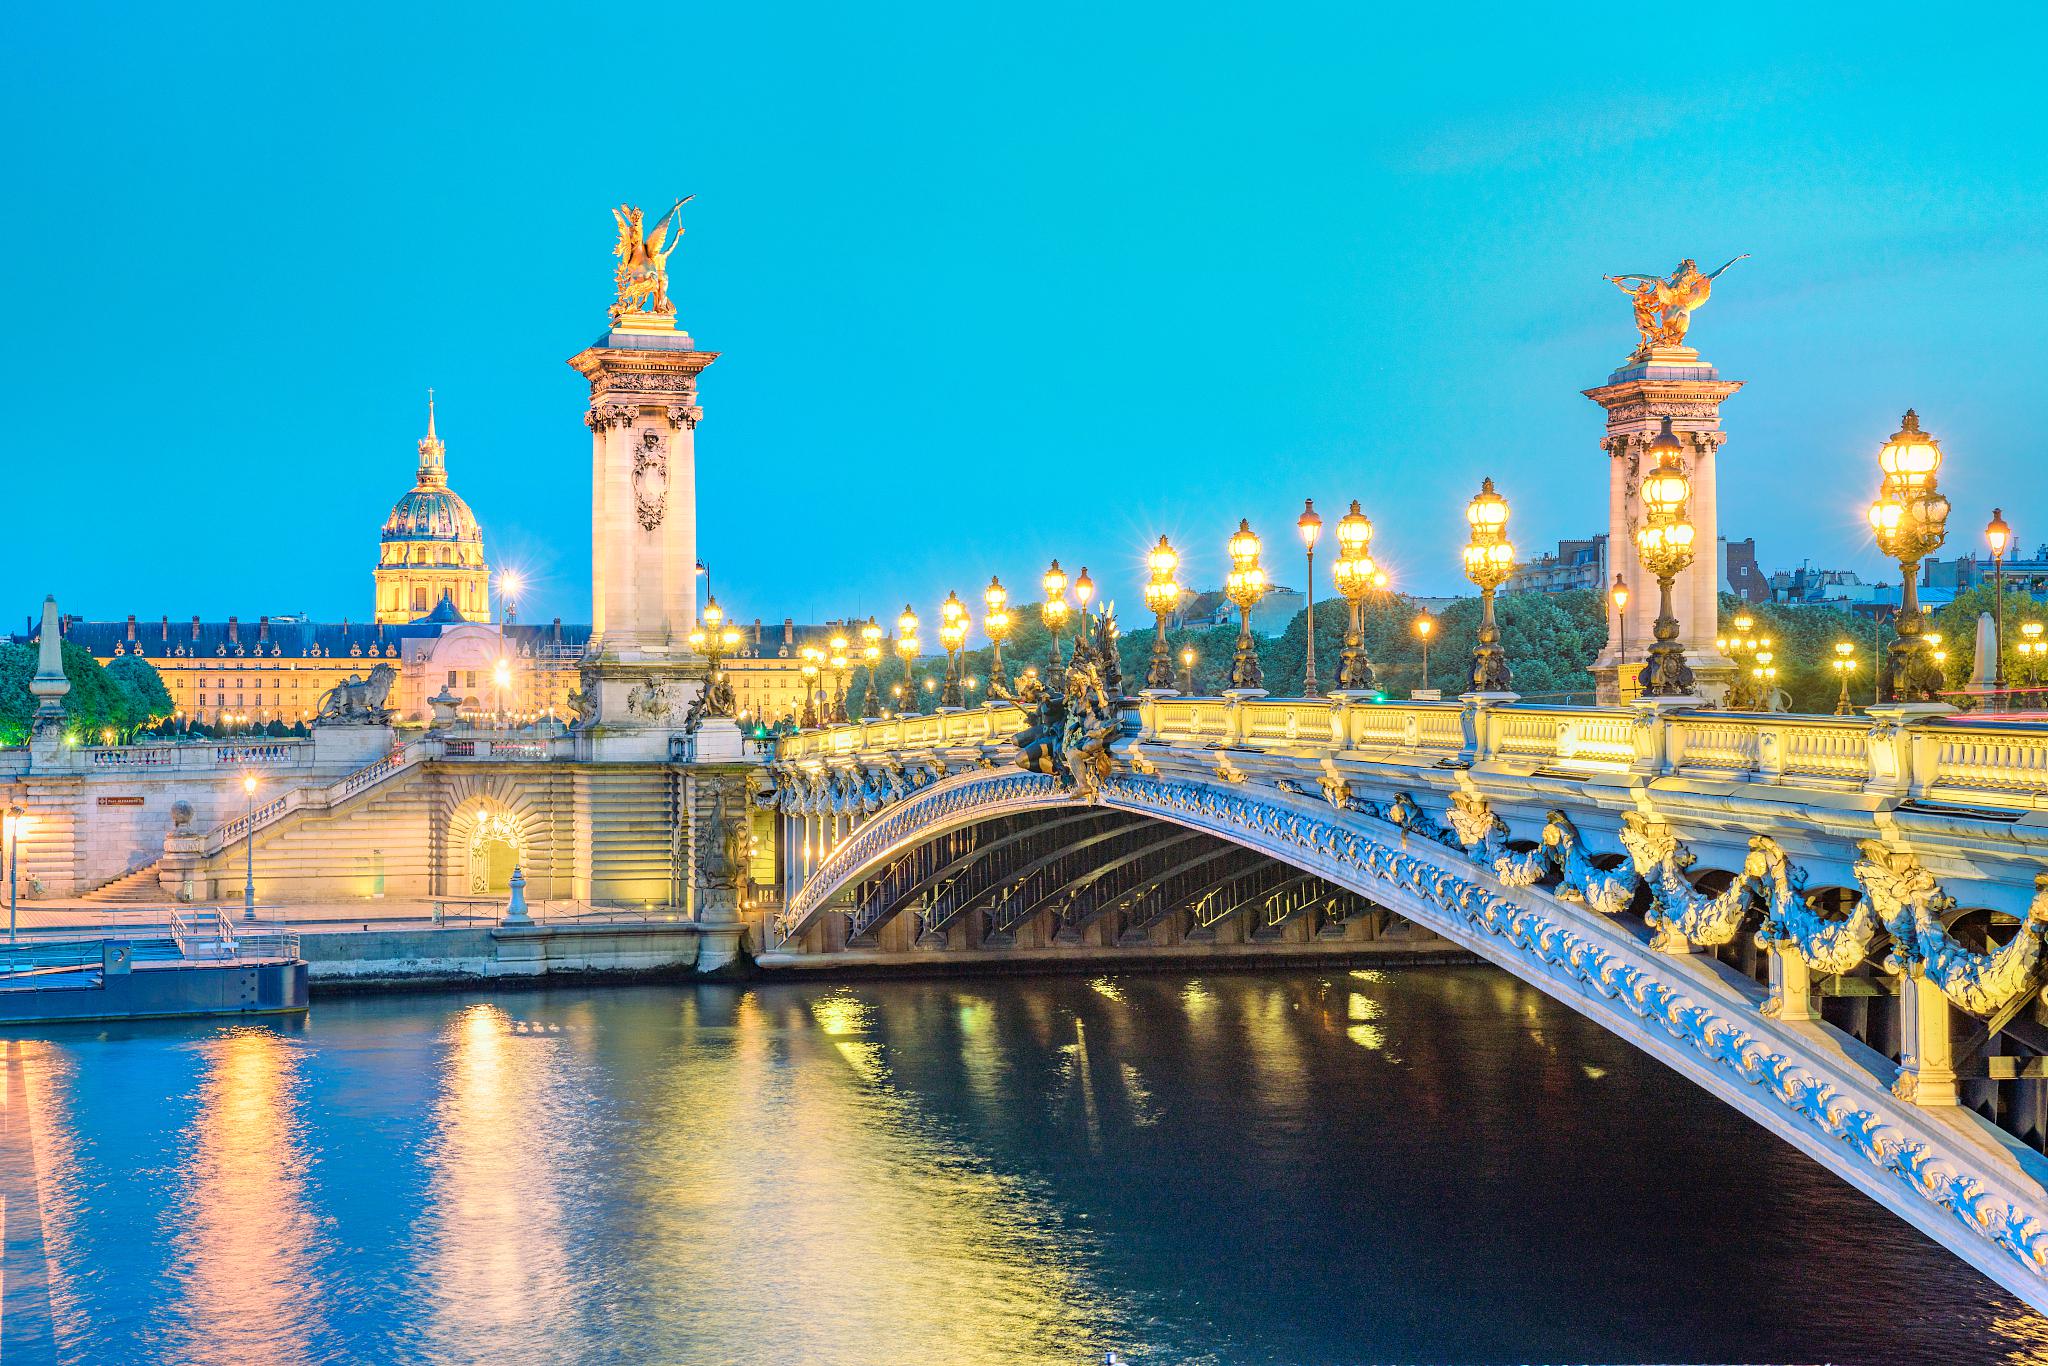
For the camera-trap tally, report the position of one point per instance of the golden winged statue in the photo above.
(1664, 307)
(642, 273)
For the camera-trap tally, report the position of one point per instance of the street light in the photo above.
(871, 655)
(1054, 612)
(1740, 644)
(1766, 675)
(1617, 596)
(17, 822)
(1425, 627)
(1664, 542)
(2030, 649)
(906, 650)
(509, 585)
(1245, 585)
(1084, 593)
(1311, 528)
(249, 850)
(1162, 596)
(953, 625)
(1910, 520)
(501, 678)
(842, 669)
(1999, 535)
(1844, 664)
(812, 657)
(996, 599)
(1352, 574)
(1187, 670)
(1489, 559)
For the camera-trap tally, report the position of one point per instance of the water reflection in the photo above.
(246, 1247)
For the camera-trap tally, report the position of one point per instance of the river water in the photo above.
(1427, 1165)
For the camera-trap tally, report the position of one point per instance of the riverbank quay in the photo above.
(404, 945)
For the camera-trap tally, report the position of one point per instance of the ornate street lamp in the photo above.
(249, 849)
(1618, 596)
(1245, 585)
(871, 655)
(1489, 559)
(811, 656)
(1844, 664)
(1425, 627)
(715, 639)
(1311, 528)
(2031, 648)
(842, 670)
(1187, 670)
(1162, 596)
(1910, 520)
(1740, 644)
(1054, 612)
(906, 650)
(1999, 536)
(1084, 593)
(1765, 674)
(997, 623)
(1353, 576)
(1664, 541)
(953, 625)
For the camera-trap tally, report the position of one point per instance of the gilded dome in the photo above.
(431, 514)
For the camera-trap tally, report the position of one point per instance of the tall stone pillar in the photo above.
(50, 684)
(1656, 383)
(640, 676)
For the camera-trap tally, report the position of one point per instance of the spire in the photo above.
(49, 685)
(433, 454)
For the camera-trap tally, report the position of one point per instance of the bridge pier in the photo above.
(1927, 1071)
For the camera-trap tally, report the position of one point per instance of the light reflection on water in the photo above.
(1279, 1167)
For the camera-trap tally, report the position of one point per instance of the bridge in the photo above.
(1832, 924)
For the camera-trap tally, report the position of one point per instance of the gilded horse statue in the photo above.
(1664, 307)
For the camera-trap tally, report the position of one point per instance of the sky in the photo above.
(990, 285)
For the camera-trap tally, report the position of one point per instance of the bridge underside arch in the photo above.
(1273, 856)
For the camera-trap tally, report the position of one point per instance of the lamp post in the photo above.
(1425, 627)
(996, 599)
(1244, 587)
(1352, 574)
(1910, 520)
(1054, 612)
(871, 655)
(1664, 541)
(1489, 559)
(17, 822)
(1999, 535)
(2031, 648)
(1311, 528)
(1740, 644)
(1084, 593)
(1766, 675)
(509, 586)
(906, 650)
(1187, 670)
(842, 674)
(1618, 596)
(249, 850)
(953, 624)
(1162, 595)
(1844, 664)
(501, 678)
(809, 670)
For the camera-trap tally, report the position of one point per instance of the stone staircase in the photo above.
(139, 888)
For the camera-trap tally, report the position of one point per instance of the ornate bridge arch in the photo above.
(1549, 917)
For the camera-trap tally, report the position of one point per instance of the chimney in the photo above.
(234, 631)
(757, 632)
(131, 626)
(557, 629)
(263, 630)
(789, 630)
(195, 628)
(167, 628)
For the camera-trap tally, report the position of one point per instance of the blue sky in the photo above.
(991, 285)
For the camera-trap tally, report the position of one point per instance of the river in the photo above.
(1427, 1165)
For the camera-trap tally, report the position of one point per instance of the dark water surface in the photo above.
(1420, 1166)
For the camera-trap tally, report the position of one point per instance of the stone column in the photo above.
(1927, 1067)
(1664, 381)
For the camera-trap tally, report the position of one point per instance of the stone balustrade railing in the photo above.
(1900, 752)
(194, 758)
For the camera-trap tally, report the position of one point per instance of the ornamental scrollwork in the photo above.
(1912, 907)
(1680, 915)
(1792, 924)
(1483, 834)
(650, 479)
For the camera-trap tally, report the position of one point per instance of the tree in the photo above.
(1803, 649)
(124, 697)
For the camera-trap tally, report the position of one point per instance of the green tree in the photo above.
(1803, 649)
(121, 698)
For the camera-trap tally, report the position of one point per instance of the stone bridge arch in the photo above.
(489, 821)
(1710, 1022)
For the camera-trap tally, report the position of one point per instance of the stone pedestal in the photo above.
(1656, 383)
(633, 711)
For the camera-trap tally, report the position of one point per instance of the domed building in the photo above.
(432, 547)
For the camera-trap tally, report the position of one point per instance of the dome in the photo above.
(431, 514)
